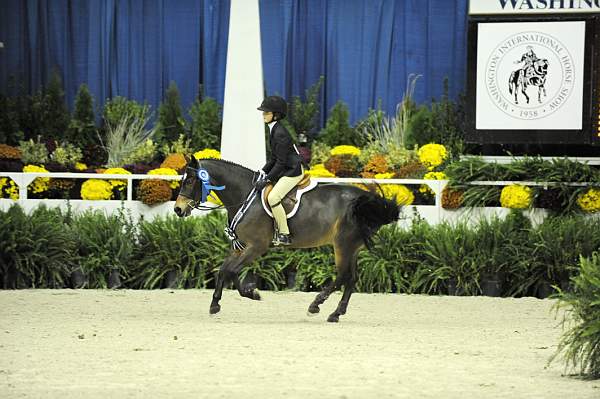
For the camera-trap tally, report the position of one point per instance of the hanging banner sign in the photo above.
(533, 6)
(530, 75)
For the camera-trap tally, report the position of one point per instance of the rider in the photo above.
(284, 168)
(528, 58)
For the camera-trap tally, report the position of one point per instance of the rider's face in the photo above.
(267, 116)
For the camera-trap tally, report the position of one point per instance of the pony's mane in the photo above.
(229, 163)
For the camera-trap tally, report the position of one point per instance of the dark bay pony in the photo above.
(331, 214)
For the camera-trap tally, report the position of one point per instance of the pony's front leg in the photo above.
(229, 271)
(221, 280)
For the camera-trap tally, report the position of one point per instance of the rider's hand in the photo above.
(261, 183)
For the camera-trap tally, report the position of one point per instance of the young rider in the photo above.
(283, 169)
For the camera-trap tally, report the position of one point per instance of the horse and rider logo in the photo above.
(532, 73)
(529, 75)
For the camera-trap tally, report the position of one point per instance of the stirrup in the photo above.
(282, 239)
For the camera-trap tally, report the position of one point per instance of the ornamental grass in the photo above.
(579, 346)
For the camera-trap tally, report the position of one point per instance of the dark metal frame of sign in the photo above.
(590, 132)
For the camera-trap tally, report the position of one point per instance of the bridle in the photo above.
(206, 188)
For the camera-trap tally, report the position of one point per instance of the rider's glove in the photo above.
(261, 183)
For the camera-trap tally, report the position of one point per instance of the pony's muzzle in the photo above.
(182, 207)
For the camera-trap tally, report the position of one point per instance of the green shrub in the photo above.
(379, 268)
(170, 116)
(9, 121)
(33, 152)
(204, 128)
(303, 115)
(580, 344)
(181, 146)
(105, 243)
(443, 123)
(118, 108)
(190, 247)
(52, 111)
(315, 267)
(449, 255)
(337, 129)
(82, 128)
(66, 154)
(37, 249)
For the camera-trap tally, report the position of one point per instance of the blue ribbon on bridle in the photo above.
(206, 186)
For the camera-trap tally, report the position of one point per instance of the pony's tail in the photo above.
(370, 211)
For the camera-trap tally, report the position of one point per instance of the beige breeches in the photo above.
(283, 186)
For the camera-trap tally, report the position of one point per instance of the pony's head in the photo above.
(190, 191)
(196, 187)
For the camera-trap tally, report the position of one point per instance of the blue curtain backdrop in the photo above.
(364, 49)
(134, 48)
(131, 48)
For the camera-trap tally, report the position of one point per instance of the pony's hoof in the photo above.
(312, 310)
(214, 309)
(333, 318)
(255, 295)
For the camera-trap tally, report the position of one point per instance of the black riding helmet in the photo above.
(274, 104)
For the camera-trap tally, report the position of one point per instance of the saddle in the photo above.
(291, 201)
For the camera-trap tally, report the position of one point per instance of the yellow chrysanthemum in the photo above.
(120, 184)
(96, 189)
(40, 184)
(9, 187)
(345, 150)
(319, 170)
(166, 171)
(515, 196)
(384, 175)
(590, 200)
(80, 166)
(424, 188)
(399, 192)
(207, 153)
(432, 155)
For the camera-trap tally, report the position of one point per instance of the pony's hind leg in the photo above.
(322, 296)
(348, 283)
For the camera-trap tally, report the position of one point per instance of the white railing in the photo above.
(434, 213)
(24, 179)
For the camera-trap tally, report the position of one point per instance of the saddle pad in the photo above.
(290, 204)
